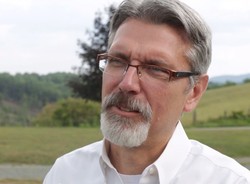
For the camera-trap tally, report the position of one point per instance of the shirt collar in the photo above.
(104, 159)
(174, 155)
(170, 160)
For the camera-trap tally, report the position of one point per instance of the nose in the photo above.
(130, 81)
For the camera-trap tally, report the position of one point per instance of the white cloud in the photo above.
(4, 30)
(23, 4)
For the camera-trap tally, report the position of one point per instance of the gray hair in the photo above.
(173, 13)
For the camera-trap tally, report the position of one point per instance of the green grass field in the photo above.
(222, 101)
(233, 142)
(44, 145)
(19, 182)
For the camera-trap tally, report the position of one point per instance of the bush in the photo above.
(236, 118)
(69, 112)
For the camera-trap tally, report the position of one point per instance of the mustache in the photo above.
(126, 100)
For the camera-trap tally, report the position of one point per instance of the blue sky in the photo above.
(41, 35)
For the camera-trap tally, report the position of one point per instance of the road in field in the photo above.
(23, 172)
(29, 172)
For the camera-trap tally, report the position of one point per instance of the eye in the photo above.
(156, 71)
(115, 62)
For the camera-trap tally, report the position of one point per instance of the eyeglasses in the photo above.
(118, 67)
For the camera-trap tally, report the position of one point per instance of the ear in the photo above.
(196, 93)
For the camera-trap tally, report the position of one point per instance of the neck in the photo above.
(133, 161)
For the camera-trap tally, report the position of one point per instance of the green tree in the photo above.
(33, 89)
(229, 83)
(69, 112)
(246, 81)
(88, 82)
(23, 95)
(44, 118)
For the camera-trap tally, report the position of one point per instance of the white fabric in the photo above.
(130, 179)
(183, 161)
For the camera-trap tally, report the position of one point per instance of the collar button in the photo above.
(152, 171)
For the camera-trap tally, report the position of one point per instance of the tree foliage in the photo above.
(69, 112)
(88, 83)
(247, 80)
(22, 95)
(34, 89)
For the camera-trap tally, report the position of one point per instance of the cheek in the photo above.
(158, 99)
(167, 103)
(108, 85)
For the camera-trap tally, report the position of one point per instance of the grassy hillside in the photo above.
(221, 102)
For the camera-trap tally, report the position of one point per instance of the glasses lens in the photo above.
(155, 72)
(102, 64)
(112, 66)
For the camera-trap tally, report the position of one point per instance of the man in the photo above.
(154, 70)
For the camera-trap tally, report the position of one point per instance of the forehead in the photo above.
(143, 40)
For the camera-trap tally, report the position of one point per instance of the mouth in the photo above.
(125, 111)
(127, 106)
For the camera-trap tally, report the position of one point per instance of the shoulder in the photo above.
(89, 152)
(79, 159)
(78, 166)
(217, 162)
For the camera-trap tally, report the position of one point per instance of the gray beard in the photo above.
(123, 131)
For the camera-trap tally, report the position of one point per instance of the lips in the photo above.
(126, 105)
(126, 109)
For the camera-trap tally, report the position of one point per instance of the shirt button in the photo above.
(151, 171)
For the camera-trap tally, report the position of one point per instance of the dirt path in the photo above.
(38, 172)
(21, 172)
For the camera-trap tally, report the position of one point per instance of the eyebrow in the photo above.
(119, 55)
(161, 63)
(153, 62)
(157, 62)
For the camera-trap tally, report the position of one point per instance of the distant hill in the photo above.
(230, 78)
(23, 95)
(221, 102)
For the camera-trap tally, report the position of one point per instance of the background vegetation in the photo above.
(222, 106)
(46, 100)
(22, 96)
(69, 112)
(33, 145)
(10, 181)
(33, 89)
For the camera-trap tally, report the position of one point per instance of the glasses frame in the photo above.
(172, 73)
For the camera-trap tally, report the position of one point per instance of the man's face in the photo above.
(140, 42)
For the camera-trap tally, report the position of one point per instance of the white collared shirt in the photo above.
(183, 161)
